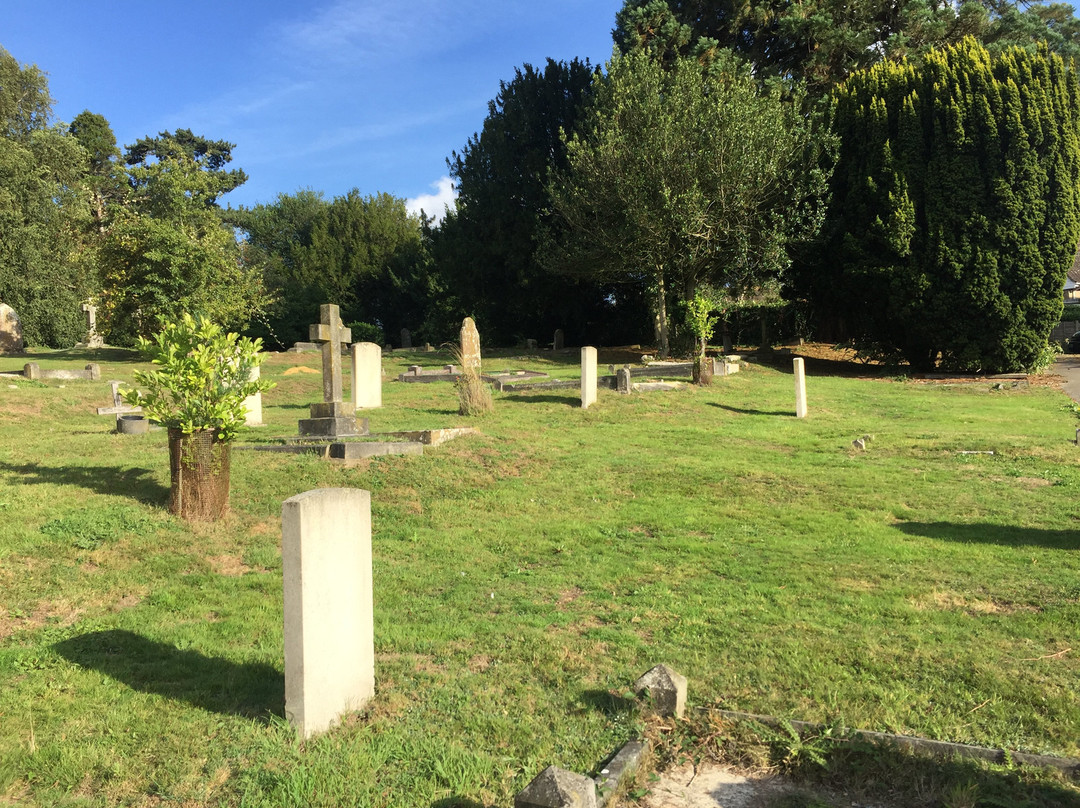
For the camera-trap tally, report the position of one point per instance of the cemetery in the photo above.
(522, 572)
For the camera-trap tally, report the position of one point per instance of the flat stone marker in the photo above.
(366, 375)
(666, 688)
(406, 339)
(329, 622)
(11, 332)
(253, 404)
(557, 788)
(557, 343)
(470, 345)
(800, 388)
(588, 377)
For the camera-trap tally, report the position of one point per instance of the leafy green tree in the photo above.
(485, 250)
(166, 248)
(366, 254)
(42, 211)
(824, 41)
(105, 179)
(682, 176)
(956, 208)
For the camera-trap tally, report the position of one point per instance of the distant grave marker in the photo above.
(588, 377)
(470, 345)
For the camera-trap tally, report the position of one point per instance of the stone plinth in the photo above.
(588, 377)
(366, 375)
(329, 624)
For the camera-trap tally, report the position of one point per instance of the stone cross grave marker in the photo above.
(329, 609)
(93, 338)
(470, 345)
(588, 377)
(330, 332)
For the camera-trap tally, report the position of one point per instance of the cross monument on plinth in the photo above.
(332, 417)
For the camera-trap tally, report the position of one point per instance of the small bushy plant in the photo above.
(202, 379)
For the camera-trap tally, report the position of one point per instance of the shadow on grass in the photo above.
(982, 533)
(253, 690)
(745, 411)
(608, 703)
(545, 398)
(133, 482)
(886, 774)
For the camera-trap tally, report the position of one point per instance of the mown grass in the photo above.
(525, 576)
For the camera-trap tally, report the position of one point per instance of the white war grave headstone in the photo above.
(329, 609)
(366, 375)
(800, 388)
(588, 377)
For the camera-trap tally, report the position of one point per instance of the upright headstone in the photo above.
(557, 342)
(366, 375)
(331, 418)
(253, 404)
(470, 345)
(622, 381)
(588, 376)
(11, 333)
(93, 338)
(530, 345)
(800, 388)
(406, 339)
(329, 611)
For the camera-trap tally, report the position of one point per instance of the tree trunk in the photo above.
(660, 321)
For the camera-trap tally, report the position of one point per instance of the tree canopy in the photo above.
(956, 208)
(681, 176)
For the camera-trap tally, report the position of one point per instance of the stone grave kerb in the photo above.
(330, 332)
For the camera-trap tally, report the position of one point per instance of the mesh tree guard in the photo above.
(199, 470)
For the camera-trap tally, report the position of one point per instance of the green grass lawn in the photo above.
(525, 576)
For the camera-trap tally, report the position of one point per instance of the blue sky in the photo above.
(329, 95)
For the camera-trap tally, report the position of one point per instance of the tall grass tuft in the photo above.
(474, 396)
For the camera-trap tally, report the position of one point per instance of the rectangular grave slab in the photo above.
(358, 450)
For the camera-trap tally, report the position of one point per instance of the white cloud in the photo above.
(435, 204)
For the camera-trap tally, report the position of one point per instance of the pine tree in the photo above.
(956, 207)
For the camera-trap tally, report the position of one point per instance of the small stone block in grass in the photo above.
(666, 688)
(557, 788)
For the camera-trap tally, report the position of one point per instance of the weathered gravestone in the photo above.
(406, 339)
(366, 375)
(800, 388)
(557, 788)
(332, 417)
(622, 381)
(470, 345)
(557, 343)
(93, 338)
(588, 377)
(530, 345)
(329, 610)
(11, 332)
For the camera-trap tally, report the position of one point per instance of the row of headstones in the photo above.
(329, 630)
(11, 330)
(557, 343)
(589, 381)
